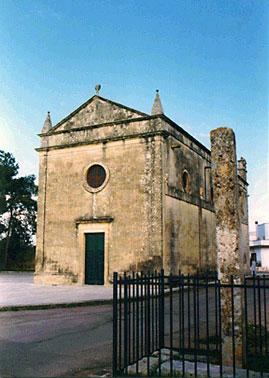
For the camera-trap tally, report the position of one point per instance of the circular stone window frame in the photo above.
(85, 182)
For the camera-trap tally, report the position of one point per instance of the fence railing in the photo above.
(173, 325)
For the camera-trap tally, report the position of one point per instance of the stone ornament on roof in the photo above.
(97, 88)
(47, 124)
(157, 105)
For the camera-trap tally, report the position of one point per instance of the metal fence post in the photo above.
(115, 323)
(125, 324)
(161, 310)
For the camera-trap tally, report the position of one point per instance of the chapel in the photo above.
(122, 190)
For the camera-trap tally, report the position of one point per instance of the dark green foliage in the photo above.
(17, 213)
(257, 345)
(8, 169)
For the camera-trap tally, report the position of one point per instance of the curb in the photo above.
(97, 302)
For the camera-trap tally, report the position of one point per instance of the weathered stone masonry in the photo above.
(155, 207)
(230, 200)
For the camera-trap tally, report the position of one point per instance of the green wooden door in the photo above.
(94, 258)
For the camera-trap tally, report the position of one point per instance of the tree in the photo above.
(17, 208)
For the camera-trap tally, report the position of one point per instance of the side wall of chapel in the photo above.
(189, 218)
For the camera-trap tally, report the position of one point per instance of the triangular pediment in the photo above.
(96, 110)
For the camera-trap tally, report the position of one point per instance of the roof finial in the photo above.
(157, 105)
(47, 124)
(97, 88)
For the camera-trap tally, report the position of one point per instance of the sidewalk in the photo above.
(17, 291)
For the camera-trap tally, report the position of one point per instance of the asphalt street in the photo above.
(56, 342)
(78, 341)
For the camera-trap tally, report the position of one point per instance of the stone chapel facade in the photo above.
(121, 190)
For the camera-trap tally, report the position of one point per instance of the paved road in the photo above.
(49, 343)
(58, 342)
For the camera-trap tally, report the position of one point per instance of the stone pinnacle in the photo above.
(47, 124)
(157, 105)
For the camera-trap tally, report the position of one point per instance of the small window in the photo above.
(186, 182)
(96, 176)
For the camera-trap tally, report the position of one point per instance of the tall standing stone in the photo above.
(243, 214)
(226, 197)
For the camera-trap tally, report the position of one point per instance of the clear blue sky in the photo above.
(209, 59)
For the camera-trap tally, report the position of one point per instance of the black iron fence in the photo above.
(173, 325)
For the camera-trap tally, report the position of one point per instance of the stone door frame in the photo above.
(93, 227)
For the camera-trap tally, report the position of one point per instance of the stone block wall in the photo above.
(189, 218)
(157, 208)
(131, 199)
